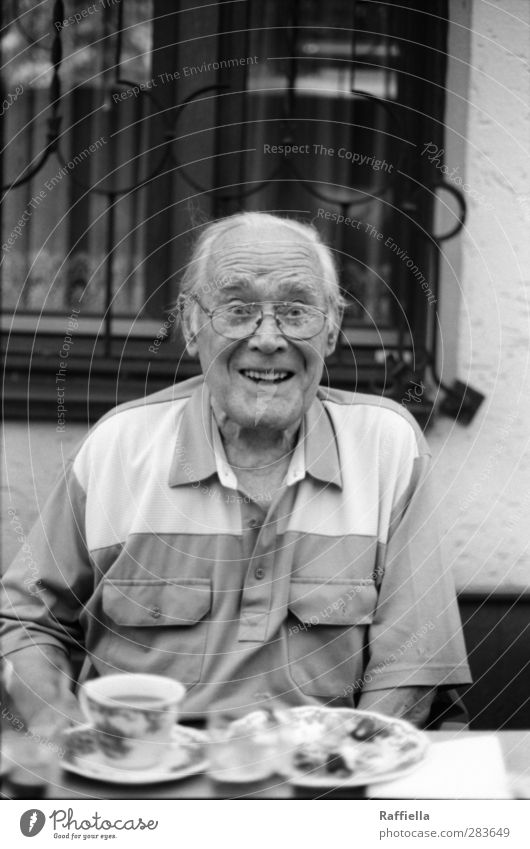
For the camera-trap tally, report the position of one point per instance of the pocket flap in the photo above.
(333, 603)
(144, 604)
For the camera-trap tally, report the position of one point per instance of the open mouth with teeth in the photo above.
(268, 376)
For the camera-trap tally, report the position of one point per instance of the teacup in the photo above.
(134, 715)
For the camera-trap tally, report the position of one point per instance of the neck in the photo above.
(252, 448)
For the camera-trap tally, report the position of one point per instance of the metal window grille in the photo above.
(137, 122)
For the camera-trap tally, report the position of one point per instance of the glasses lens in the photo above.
(294, 320)
(300, 322)
(237, 321)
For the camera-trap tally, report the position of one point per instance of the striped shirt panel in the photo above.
(149, 569)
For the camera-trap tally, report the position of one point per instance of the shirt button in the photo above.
(252, 523)
(259, 573)
(262, 697)
(155, 612)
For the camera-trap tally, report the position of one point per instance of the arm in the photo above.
(39, 681)
(415, 641)
(42, 594)
(412, 703)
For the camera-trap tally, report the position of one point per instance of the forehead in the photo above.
(270, 251)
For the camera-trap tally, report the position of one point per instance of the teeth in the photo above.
(271, 374)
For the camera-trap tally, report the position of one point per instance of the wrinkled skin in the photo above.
(269, 264)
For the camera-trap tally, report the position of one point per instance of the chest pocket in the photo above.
(327, 629)
(157, 626)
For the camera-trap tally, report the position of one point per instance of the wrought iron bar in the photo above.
(109, 251)
(168, 156)
(54, 122)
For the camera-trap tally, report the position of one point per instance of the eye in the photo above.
(240, 310)
(294, 311)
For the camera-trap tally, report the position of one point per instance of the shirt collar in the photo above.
(199, 451)
(194, 456)
(322, 459)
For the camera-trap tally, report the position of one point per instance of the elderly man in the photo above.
(254, 535)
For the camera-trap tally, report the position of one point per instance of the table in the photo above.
(515, 747)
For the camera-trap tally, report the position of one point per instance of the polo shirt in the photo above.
(152, 560)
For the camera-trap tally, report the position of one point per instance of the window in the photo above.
(58, 259)
(171, 115)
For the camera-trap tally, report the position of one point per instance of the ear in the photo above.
(333, 330)
(188, 324)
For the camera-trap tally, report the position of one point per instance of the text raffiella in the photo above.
(403, 815)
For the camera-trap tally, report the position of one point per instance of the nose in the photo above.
(268, 337)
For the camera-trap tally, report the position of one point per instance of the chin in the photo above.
(256, 411)
(272, 420)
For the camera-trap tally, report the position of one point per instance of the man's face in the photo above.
(265, 265)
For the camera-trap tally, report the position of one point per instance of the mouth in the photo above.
(267, 376)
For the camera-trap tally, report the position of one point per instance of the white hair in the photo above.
(196, 270)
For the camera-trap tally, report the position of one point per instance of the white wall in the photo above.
(483, 471)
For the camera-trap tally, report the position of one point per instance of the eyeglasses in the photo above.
(239, 321)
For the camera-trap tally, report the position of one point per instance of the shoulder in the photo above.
(151, 405)
(131, 426)
(375, 418)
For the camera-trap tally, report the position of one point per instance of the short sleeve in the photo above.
(47, 584)
(416, 636)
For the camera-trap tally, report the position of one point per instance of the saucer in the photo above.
(183, 756)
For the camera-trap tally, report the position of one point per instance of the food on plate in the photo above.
(323, 745)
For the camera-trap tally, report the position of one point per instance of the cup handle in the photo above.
(83, 703)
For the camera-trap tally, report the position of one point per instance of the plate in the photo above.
(331, 747)
(184, 756)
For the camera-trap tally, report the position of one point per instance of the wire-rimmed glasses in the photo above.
(240, 321)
